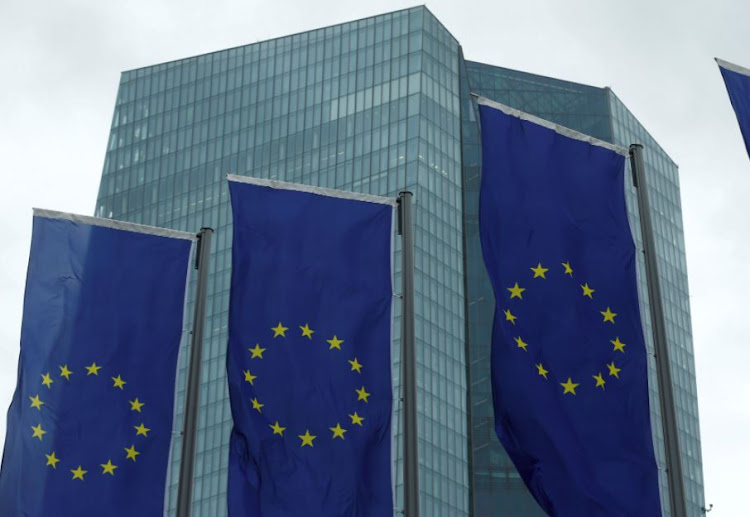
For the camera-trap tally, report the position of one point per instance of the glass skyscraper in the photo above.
(378, 106)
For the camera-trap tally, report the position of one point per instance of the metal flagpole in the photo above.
(408, 359)
(677, 500)
(187, 463)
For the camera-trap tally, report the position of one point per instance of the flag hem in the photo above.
(394, 416)
(562, 130)
(114, 224)
(180, 349)
(732, 67)
(285, 185)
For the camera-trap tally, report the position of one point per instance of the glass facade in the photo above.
(378, 106)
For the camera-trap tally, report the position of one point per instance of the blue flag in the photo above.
(569, 369)
(737, 81)
(90, 424)
(309, 360)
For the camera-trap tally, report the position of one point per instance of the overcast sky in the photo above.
(60, 64)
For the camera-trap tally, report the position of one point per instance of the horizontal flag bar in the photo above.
(115, 225)
(732, 67)
(562, 130)
(285, 185)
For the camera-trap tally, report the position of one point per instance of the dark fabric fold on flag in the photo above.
(90, 424)
(569, 365)
(309, 362)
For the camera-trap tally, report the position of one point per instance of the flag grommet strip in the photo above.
(732, 67)
(562, 130)
(322, 191)
(115, 225)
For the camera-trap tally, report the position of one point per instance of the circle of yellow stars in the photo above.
(307, 439)
(612, 371)
(79, 473)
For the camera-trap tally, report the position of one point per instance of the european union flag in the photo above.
(569, 369)
(737, 81)
(309, 360)
(90, 424)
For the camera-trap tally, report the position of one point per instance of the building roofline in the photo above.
(130, 70)
(547, 77)
(654, 140)
(441, 24)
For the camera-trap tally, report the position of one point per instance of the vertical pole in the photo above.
(192, 399)
(408, 359)
(677, 500)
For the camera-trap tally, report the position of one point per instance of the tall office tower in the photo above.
(377, 105)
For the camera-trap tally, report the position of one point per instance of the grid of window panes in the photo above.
(367, 106)
(439, 283)
(664, 195)
(496, 484)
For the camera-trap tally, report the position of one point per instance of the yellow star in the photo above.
(277, 429)
(614, 371)
(587, 291)
(279, 330)
(307, 438)
(249, 377)
(356, 419)
(93, 369)
(141, 430)
(569, 386)
(541, 370)
(356, 366)
(599, 380)
(362, 394)
(338, 431)
(510, 317)
(118, 382)
(619, 345)
(64, 372)
(35, 402)
(136, 405)
(38, 432)
(108, 468)
(132, 453)
(516, 292)
(47, 380)
(335, 342)
(52, 460)
(539, 271)
(257, 405)
(609, 316)
(257, 351)
(79, 473)
(306, 331)
(568, 269)
(521, 344)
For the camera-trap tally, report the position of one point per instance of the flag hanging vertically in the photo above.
(90, 424)
(309, 359)
(737, 81)
(569, 365)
